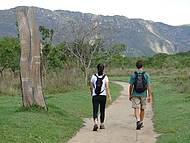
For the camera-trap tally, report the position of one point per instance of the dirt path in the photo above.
(120, 125)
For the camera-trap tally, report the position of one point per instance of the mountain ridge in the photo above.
(142, 37)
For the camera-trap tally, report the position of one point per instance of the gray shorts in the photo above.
(138, 102)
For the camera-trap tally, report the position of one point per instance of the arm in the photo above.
(91, 88)
(149, 97)
(91, 85)
(131, 85)
(108, 91)
(130, 91)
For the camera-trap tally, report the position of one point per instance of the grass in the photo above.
(171, 111)
(66, 113)
(61, 122)
(54, 82)
(120, 78)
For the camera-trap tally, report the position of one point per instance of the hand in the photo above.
(110, 99)
(130, 97)
(149, 99)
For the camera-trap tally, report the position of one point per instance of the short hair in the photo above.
(139, 64)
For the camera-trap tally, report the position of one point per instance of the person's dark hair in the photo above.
(100, 68)
(139, 64)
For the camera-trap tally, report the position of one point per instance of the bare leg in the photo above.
(141, 115)
(137, 114)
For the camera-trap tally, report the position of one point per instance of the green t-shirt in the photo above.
(132, 81)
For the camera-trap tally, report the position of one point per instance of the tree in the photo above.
(46, 40)
(86, 45)
(9, 54)
(30, 59)
(52, 56)
(109, 55)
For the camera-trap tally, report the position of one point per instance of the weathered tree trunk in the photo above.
(35, 62)
(30, 59)
(26, 81)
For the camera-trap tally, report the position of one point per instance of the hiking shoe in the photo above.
(138, 125)
(102, 126)
(95, 128)
(141, 124)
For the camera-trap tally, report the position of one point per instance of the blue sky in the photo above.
(172, 12)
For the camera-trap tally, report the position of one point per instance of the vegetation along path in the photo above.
(120, 125)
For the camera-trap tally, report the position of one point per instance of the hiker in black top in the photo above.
(100, 91)
(139, 91)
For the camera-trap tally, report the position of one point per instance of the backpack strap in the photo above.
(143, 73)
(102, 76)
(143, 76)
(102, 80)
(136, 74)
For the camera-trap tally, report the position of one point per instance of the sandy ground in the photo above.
(120, 125)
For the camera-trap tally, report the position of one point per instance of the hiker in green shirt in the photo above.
(139, 92)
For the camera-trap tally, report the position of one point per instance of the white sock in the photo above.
(95, 121)
(137, 119)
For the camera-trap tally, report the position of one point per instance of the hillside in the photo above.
(141, 36)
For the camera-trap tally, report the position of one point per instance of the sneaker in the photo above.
(141, 124)
(138, 125)
(95, 128)
(102, 126)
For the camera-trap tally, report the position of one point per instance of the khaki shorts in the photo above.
(138, 102)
